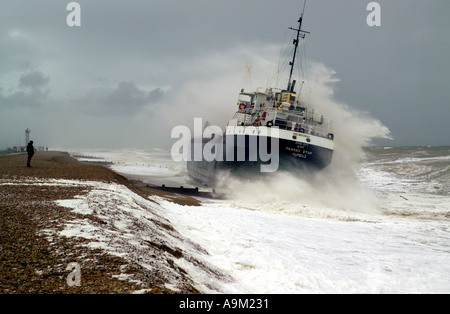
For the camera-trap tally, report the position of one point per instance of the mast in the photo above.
(300, 34)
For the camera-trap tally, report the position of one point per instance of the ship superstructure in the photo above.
(275, 120)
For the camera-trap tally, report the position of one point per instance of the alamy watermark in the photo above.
(74, 17)
(374, 17)
(241, 143)
(74, 278)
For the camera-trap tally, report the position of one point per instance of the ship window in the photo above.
(282, 124)
(245, 98)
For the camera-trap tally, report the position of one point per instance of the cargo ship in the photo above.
(272, 130)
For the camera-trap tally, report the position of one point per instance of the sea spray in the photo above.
(209, 92)
(337, 186)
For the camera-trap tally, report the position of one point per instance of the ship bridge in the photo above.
(281, 109)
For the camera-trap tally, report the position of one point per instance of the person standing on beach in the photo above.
(30, 151)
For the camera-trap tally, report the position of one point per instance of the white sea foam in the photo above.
(355, 227)
(374, 235)
(278, 253)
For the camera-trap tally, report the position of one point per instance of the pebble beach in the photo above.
(118, 250)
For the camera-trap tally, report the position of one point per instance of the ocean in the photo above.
(379, 225)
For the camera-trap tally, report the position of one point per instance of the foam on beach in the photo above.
(98, 213)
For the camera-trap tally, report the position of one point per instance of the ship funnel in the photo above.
(293, 86)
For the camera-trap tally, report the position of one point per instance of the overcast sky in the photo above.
(134, 69)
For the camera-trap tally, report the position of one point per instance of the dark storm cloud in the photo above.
(34, 99)
(33, 79)
(125, 99)
(125, 54)
(30, 93)
(128, 94)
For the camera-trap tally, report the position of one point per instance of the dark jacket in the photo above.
(30, 149)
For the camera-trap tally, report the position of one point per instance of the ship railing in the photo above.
(324, 130)
(308, 123)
